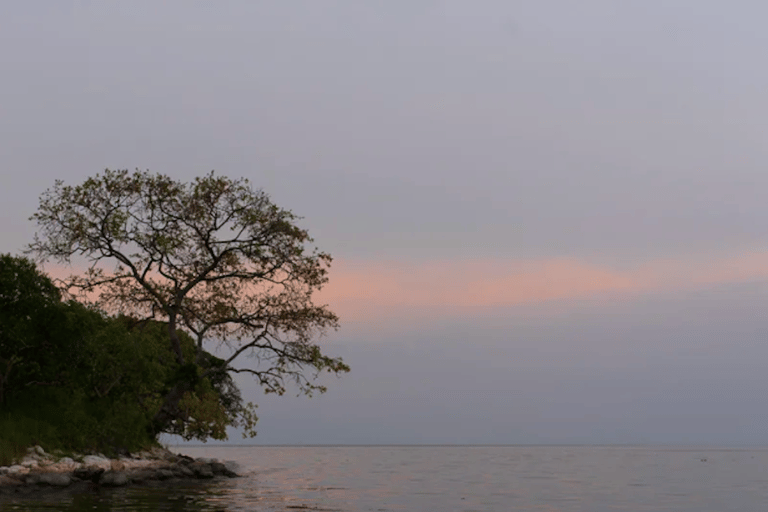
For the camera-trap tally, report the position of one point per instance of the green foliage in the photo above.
(24, 294)
(18, 432)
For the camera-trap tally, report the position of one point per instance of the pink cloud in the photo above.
(367, 290)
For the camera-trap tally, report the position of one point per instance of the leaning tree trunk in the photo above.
(169, 411)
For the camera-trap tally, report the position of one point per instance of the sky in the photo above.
(548, 218)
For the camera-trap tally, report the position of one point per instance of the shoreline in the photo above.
(40, 470)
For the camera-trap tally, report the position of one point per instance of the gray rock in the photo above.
(183, 471)
(16, 469)
(54, 479)
(201, 470)
(39, 450)
(91, 473)
(113, 479)
(29, 461)
(234, 467)
(220, 468)
(164, 474)
(142, 475)
(97, 461)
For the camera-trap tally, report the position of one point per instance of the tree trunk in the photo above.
(175, 341)
(170, 408)
(4, 378)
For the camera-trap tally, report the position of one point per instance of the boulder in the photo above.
(201, 470)
(54, 479)
(91, 473)
(164, 474)
(234, 468)
(182, 470)
(29, 461)
(142, 475)
(220, 468)
(8, 481)
(97, 461)
(17, 470)
(114, 479)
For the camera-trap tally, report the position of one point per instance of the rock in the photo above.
(65, 465)
(234, 468)
(54, 479)
(39, 450)
(91, 473)
(220, 468)
(97, 461)
(41, 469)
(183, 471)
(29, 462)
(201, 470)
(113, 479)
(9, 481)
(142, 475)
(18, 470)
(164, 474)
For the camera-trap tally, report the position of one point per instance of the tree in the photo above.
(212, 258)
(25, 294)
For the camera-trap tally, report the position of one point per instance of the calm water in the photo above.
(453, 478)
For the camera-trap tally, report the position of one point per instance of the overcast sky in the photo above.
(548, 218)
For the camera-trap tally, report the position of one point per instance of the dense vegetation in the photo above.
(76, 379)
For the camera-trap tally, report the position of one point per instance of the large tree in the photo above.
(213, 258)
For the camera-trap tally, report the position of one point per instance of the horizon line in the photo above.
(478, 445)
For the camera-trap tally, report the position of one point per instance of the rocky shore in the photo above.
(38, 470)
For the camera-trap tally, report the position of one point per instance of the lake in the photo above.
(451, 478)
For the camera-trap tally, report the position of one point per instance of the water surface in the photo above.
(451, 478)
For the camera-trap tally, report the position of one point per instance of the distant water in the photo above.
(452, 478)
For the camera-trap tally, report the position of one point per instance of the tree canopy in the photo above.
(213, 259)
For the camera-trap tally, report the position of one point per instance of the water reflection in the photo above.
(179, 497)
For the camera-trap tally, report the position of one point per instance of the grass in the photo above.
(19, 433)
(63, 424)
